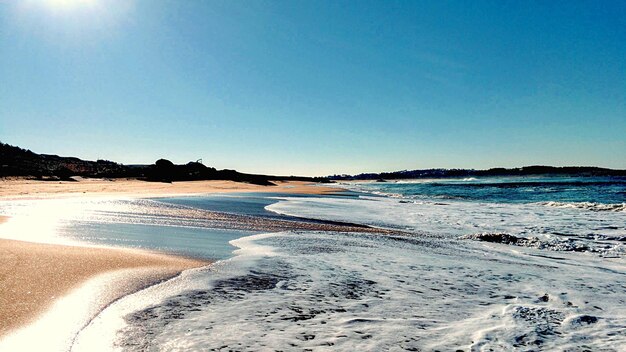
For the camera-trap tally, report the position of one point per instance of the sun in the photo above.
(69, 4)
(71, 19)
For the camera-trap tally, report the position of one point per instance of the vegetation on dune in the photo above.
(15, 161)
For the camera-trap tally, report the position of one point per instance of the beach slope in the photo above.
(33, 276)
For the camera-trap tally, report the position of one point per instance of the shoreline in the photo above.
(27, 189)
(35, 277)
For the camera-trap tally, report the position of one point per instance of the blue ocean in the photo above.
(574, 190)
(493, 264)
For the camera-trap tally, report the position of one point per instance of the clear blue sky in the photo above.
(314, 88)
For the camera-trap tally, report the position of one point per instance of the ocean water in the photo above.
(575, 190)
(497, 264)
(131, 223)
(585, 214)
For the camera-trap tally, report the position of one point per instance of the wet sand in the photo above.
(33, 275)
(20, 188)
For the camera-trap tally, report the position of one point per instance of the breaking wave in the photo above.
(586, 206)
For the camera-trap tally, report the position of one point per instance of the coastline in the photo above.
(34, 276)
(23, 189)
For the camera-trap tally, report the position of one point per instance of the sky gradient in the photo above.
(316, 88)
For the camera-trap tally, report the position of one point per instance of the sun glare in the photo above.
(72, 22)
(69, 4)
(59, 6)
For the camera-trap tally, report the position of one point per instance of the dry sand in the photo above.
(17, 188)
(33, 275)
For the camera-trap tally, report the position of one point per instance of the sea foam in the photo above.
(333, 291)
(587, 206)
(599, 232)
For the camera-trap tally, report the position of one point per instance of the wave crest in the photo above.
(586, 206)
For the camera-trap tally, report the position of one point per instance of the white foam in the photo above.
(101, 333)
(329, 291)
(587, 206)
(600, 231)
(248, 246)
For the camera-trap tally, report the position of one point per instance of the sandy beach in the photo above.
(33, 276)
(20, 188)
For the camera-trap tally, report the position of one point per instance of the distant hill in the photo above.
(15, 161)
(450, 173)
